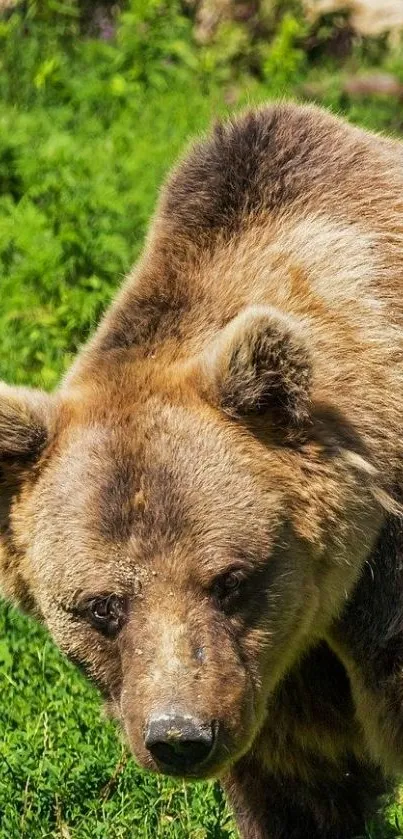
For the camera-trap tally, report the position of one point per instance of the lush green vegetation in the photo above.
(88, 128)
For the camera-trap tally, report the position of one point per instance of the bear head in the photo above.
(185, 528)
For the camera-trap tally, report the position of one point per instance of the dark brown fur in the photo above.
(237, 415)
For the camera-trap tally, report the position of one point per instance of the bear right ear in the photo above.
(25, 423)
(259, 364)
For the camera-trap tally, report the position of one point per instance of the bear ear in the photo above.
(25, 423)
(259, 364)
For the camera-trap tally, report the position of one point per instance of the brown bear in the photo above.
(207, 513)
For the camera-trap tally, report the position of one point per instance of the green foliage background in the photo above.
(88, 129)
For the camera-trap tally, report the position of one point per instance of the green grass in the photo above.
(87, 132)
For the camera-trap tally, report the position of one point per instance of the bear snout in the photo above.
(179, 743)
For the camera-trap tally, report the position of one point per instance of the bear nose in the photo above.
(179, 743)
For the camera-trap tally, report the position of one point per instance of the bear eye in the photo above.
(107, 613)
(228, 585)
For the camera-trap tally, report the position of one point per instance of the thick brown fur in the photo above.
(224, 461)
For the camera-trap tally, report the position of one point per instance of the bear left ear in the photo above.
(259, 364)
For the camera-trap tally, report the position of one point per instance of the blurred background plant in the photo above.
(97, 99)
